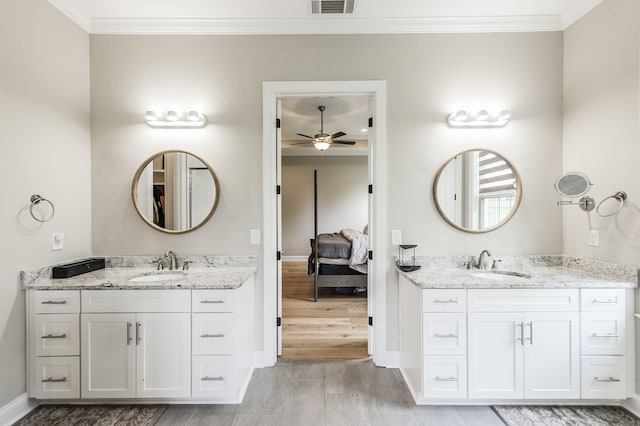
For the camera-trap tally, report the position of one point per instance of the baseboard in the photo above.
(295, 258)
(389, 359)
(633, 404)
(259, 360)
(16, 409)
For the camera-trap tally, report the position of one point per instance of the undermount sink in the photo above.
(499, 275)
(153, 277)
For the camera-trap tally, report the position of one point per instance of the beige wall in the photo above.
(342, 198)
(427, 76)
(601, 126)
(602, 129)
(45, 149)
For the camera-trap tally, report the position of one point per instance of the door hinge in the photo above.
(279, 255)
(455, 197)
(370, 189)
(277, 123)
(370, 122)
(370, 254)
(371, 321)
(278, 321)
(278, 189)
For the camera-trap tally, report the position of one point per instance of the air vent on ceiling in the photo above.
(322, 7)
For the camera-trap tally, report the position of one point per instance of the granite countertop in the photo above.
(119, 272)
(564, 273)
(541, 277)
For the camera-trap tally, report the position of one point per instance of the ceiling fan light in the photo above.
(321, 146)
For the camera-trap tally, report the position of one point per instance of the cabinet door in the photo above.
(551, 355)
(495, 355)
(108, 354)
(163, 355)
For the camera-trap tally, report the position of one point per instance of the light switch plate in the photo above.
(396, 237)
(254, 236)
(594, 238)
(57, 241)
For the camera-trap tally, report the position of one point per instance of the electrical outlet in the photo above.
(57, 241)
(594, 238)
(254, 236)
(396, 237)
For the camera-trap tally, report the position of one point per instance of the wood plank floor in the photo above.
(334, 327)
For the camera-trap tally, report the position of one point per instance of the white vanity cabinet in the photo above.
(136, 343)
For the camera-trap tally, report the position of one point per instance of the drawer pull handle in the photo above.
(610, 379)
(445, 335)
(445, 379)
(55, 336)
(213, 335)
(53, 302)
(604, 301)
(129, 338)
(211, 301)
(445, 300)
(52, 380)
(212, 379)
(138, 334)
(605, 335)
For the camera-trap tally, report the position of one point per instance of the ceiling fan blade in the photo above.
(300, 143)
(338, 135)
(300, 134)
(345, 142)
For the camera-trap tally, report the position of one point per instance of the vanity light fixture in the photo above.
(173, 118)
(462, 118)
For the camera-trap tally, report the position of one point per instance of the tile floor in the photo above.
(331, 393)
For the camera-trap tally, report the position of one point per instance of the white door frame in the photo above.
(271, 91)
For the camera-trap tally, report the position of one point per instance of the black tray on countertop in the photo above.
(76, 268)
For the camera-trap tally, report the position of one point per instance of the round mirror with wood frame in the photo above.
(175, 191)
(477, 191)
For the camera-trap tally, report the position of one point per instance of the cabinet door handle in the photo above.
(53, 302)
(55, 336)
(211, 301)
(445, 335)
(138, 334)
(610, 379)
(445, 300)
(129, 338)
(52, 380)
(605, 335)
(604, 301)
(212, 335)
(530, 338)
(212, 379)
(445, 379)
(521, 338)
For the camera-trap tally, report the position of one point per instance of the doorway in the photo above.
(324, 191)
(272, 260)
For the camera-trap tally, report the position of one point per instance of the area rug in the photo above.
(100, 415)
(535, 415)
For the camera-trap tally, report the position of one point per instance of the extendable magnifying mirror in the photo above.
(573, 185)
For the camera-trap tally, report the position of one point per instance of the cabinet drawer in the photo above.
(57, 378)
(440, 300)
(214, 300)
(444, 333)
(445, 377)
(602, 333)
(523, 300)
(213, 334)
(136, 301)
(56, 334)
(56, 301)
(603, 377)
(597, 300)
(213, 377)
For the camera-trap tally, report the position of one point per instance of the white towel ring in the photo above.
(37, 199)
(620, 196)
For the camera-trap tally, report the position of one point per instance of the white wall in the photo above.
(342, 198)
(45, 149)
(602, 128)
(427, 75)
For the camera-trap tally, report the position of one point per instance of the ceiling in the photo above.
(295, 17)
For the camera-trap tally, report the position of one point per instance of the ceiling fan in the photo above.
(322, 140)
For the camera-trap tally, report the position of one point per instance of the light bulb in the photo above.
(482, 115)
(193, 116)
(172, 116)
(504, 115)
(322, 146)
(151, 115)
(461, 115)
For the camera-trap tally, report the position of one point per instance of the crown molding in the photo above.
(326, 25)
(73, 12)
(572, 16)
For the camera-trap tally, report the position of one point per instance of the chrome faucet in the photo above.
(481, 259)
(173, 262)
